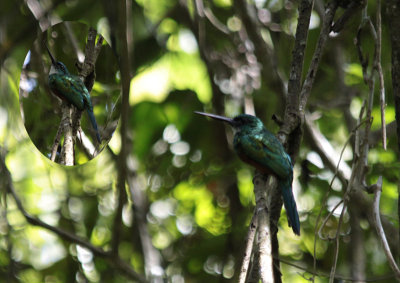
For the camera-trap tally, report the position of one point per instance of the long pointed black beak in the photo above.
(53, 61)
(217, 117)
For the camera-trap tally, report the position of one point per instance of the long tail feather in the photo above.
(94, 124)
(290, 205)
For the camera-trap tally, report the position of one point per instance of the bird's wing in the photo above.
(265, 150)
(80, 87)
(68, 88)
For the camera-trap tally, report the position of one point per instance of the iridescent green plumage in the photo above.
(258, 147)
(72, 89)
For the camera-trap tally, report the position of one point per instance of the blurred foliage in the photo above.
(200, 196)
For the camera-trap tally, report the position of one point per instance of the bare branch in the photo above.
(56, 143)
(312, 71)
(87, 72)
(207, 12)
(378, 67)
(249, 247)
(92, 51)
(67, 150)
(358, 196)
(296, 69)
(352, 8)
(326, 150)
(379, 228)
(263, 223)
(215, 22)
(337, 243)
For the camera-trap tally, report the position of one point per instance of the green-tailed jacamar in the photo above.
(71, 88)
(258, 147)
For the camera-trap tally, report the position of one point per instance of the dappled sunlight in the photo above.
(172, 71)
(171, 134)
(185, 224)
(46, 248)
(207, 215)
(245, 186)
(152, 85)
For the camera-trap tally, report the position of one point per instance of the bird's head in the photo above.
(247, 121)
(239, 123)
(57, 67)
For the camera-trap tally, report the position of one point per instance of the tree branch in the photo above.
(379, 229)
(116, 262)
(292, 115)
(244, 270)
(312, 71)
(87, 72)
(378, 67)
(67, 150)
(263, 226)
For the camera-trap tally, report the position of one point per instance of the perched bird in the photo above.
(258, 147)
(71, 88)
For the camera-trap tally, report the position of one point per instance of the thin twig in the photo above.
(379, 228)
(337, 277)
(342, 177)
(336, 254)
(56, 143)
(337, 173)
(380, 72)
(355, 176)
(360, 161)
(215, 22)
(321, 143)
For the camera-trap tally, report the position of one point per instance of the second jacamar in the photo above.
(72, 89)
(258, 147)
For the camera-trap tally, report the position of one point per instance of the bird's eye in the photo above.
(61, 66)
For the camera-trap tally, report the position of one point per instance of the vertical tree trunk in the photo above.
(393, 11)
